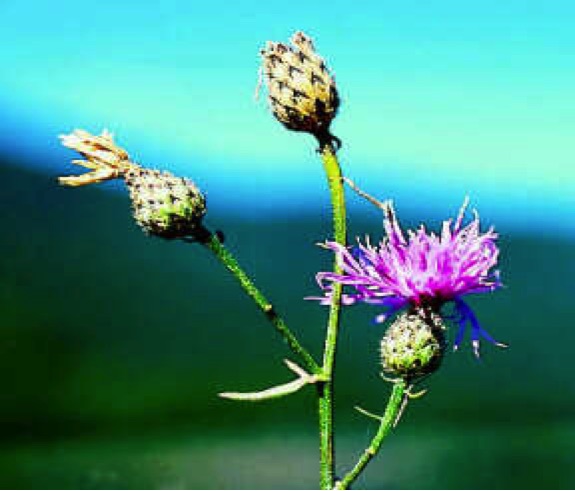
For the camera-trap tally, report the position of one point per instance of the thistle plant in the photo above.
(416, 279)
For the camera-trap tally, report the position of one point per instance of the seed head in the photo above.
(301, 90)
(413, 345)
(165, 205)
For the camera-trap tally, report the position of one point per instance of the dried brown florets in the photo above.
(103, 157)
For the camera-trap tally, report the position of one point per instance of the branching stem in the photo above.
(395, 405)
(213, 243)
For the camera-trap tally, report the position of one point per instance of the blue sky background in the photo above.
(440, 98)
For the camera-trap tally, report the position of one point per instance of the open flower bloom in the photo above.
(420, 269)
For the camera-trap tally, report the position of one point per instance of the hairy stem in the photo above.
(392, 412)
(213, 243)
(325, 409)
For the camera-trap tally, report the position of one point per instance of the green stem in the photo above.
(213, 243)
(326, 440)
(325, 408)
(392, 412)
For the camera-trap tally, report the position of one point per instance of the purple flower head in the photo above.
(420, 269)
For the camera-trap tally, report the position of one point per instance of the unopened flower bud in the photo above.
(103, 157)
(413, 346)
(301, 90)
(165, 205)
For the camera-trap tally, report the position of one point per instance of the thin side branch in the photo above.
(394, 409)
(214, 244)
(368, 413)
(282, 390)
(363, 194)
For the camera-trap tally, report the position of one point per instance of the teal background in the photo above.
(114, 345)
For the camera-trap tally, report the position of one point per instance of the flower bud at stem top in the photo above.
(301, 90)
(413, 345)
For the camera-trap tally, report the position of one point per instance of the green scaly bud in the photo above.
(413, 345)
(165, 205)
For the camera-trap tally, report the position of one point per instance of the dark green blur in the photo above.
(114, 345)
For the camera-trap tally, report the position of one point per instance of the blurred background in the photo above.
(114, 345)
